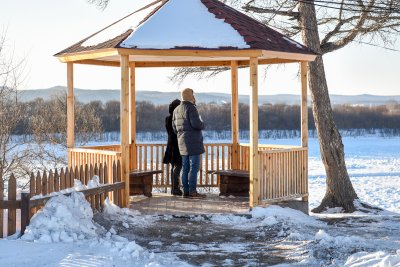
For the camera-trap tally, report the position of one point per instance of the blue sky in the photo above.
(38, 29)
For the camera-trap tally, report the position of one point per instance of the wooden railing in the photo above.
(150, 157)
(283, 174)
(18, 211)
(96, 154)
(217, 157)
(244, 153)
(283, 170)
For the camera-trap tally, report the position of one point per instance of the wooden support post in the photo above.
(25, 211)
(70, 109)
(133, 116)
(235, 115)
(304, 119)
(125, 127)
(304, 105)
(254, 179)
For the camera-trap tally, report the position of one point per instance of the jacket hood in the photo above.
(173, 105)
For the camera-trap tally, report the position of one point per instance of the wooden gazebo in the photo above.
(189, 33)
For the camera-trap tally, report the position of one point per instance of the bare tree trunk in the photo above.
(339, 190)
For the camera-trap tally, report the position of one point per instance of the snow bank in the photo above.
(377, 259)
(276, 213)
(69, 219)
(326, 240)
(269, 216)
(63, 219)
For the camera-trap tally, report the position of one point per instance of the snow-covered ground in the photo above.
(65, 233)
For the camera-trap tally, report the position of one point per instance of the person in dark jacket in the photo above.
(172, 155)
(188, 125)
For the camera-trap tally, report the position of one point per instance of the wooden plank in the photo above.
(238, 173)
(118, 195)
(285, 55)
(50, 182)
(295, 171)
(101, 179)
(56, 181)
(1, 200)
(12, 212)
(207, 164)
(285, 198)
(273, 175)
(268, 61)
(151, 156)
(291, 177)
(169, 64)
(223, 157)
(254, 179)
(125, 130)
(25, 211)
(95, 151)
(67, 180)
(269, 176)
(132, 93)
(62, 179)
(93, 54)
(70, 109)
(44, 183)
(98, 62)
(304, 105)
(140, 173)
(107, 172)
(82, 173)
(9, 204)
(145, 157)
(86, 192)
(235, 114)
(140, 157)
(91, 173)
(38, 189)
(75, 175)
(96, 198)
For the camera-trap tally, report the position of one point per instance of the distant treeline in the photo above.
(217, 117)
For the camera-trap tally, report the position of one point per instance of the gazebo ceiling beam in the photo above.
(101, 53)
(149, 64)
(290, 56)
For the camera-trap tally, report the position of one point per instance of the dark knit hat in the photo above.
(173, 105)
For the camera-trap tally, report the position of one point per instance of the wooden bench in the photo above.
(233, 182)
(141, 182)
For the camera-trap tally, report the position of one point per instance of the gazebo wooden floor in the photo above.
(166, 204)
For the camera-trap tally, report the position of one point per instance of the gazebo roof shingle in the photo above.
(243, 31)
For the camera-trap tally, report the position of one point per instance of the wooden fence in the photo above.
(47, 184)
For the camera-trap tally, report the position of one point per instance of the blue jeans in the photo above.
(190, 168)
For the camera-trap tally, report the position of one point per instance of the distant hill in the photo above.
(87, 95)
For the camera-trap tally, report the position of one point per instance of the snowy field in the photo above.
(66, 233)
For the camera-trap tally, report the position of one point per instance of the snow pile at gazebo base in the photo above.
(69, 219)
(63, 219)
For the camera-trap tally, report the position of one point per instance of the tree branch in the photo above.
(288, 13)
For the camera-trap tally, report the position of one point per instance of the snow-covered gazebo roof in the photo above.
(186, 30)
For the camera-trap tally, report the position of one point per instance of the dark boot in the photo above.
(175, 175)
